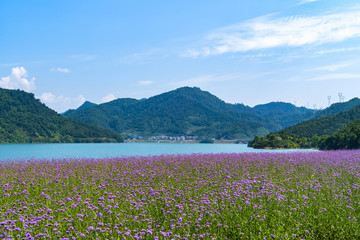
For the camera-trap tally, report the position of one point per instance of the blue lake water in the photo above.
(101, 150)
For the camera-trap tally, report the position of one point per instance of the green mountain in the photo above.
(86, 104)
(280, 114)
(338, 108)
(330, 129)
(24, 119)
(185, 111)
(327, 125)
(284, 114)
(347, 138)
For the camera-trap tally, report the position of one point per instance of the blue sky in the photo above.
(251, 52)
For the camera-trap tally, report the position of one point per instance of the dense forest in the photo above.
(189, 112)
(24, 119)
(280, 113)
(346, 138)
(334, 128)
(325, 125)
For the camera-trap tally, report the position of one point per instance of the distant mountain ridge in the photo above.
(327, 121)
(24, 119)
(337, 127)
(190, 112)
(338, 108)
(280, 113)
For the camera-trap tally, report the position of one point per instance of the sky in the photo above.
(250, 52)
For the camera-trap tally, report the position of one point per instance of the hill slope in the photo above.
(190, 111)
(24, 119)
(347, 138)
(86, 104)
(327, 125)
(184, 111)
(285, 114)
(333, 128)
(280, 114)
(338, 108)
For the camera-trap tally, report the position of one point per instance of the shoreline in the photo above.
(188, 141)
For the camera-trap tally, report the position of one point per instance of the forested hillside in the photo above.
(285, 114)
(346, 138)
(190, 112)
(24, 119)
(185, 111)
(327, 125)
(327, 131)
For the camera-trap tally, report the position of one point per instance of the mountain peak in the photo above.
(86, 104)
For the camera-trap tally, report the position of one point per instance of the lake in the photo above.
(102, 150)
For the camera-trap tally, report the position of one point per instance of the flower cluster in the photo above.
(295, 195)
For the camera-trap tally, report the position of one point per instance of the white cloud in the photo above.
(270, 32)
(108, 98)
(332, 68)
(18, 80)
(59, 69)
(339, 50)
(306, 1)
(80, 99)
(50, 98)
(335, 76)
(61, 103)
(218, 78)
(145, 83)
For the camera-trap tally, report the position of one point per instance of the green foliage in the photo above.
(326, 125)
(338, 108)
(186, 111)
(87, 104)
(284, 114)
(346, 138)
(24, 119)
(283, 141)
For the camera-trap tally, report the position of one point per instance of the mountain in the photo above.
(86, 104)
(338, 108)
(327, 125)
(285, 114)
(347, 138)
(24, 119)
(189, 112)
(280, 114)
(336, 127)
(184, 111)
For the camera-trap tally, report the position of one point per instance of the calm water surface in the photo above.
(101, 150)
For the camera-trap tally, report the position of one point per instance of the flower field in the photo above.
(212, 196)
